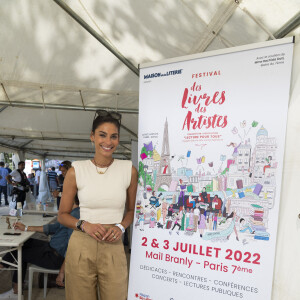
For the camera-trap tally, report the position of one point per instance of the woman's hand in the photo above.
(19, 225)
(113, 234)
(60, 279)
(96, 231)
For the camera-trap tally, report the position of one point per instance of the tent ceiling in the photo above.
(54, 73)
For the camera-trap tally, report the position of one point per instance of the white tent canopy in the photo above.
(54, 74)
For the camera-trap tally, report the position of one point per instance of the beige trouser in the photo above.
(90, 263)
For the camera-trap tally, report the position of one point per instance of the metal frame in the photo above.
(97, 36)
(288, 27)
(64, 106)
(11, 136)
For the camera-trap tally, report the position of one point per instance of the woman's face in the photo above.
(63, 171)
(106, 139)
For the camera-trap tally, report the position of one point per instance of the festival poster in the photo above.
(211, 148)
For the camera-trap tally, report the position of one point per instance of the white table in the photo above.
(49, 209)
(17, 241)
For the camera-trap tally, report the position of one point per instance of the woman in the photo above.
(152, 219)
(187, 218)
(170, 211)
(191, 220)
(181, 195)
(202, 223)
(105, 185)
(235, 219)
(182, 219)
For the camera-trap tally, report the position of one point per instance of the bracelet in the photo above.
(121, 227)
(82, 225)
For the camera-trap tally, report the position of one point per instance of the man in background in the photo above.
(52, 178)
(9, 186)
(3, 182)
(19, 180)
(37, 181)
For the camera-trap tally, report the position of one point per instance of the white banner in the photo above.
(211, 148)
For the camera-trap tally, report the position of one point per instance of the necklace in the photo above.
(102, 166)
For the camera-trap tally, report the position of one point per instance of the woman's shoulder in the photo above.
(124, 163)
(80, 163)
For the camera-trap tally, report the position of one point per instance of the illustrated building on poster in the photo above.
(244, 156)
(248, 180)
(265, 149)
(164, 176)
(234, 174)
(223, 182)
(186, 172)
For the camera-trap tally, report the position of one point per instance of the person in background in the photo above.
(9, 186)
(105, 187)
(52, 179)
(20, 182)
(31, 181)
(3, 183)
(63, 167)
(37, 181)
(50, 255)
(8, 168)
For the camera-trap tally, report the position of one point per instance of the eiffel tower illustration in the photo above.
(164, 176)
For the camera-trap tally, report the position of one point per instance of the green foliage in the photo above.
(224, 171)
(141, 170)
(149, 179)
(209, 187)
(148, 153)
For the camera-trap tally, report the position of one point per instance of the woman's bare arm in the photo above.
(130, 202)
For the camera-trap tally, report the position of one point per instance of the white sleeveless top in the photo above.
(102, 197)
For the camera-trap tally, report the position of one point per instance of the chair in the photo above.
(34, 268)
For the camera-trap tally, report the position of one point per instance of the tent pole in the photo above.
(21, 137)
(97, 36)
(129, 131)
(78, 151)
(3, 108)
(293, 23)
(14, 137)
(4, 145)
(65, 107)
